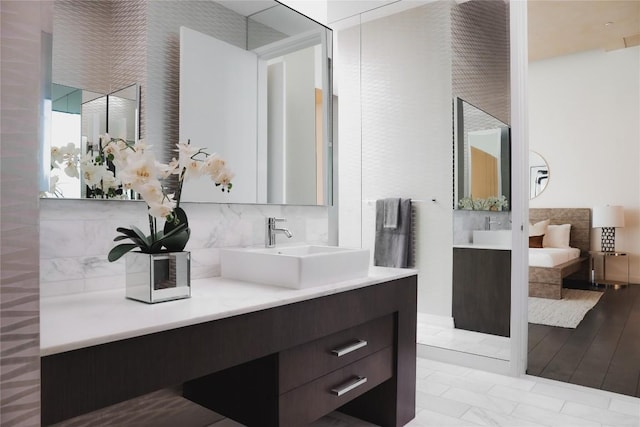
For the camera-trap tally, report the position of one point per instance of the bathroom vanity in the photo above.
(261, 355)
(482, 289)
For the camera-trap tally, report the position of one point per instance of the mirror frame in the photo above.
(532, 179)
(460, 157)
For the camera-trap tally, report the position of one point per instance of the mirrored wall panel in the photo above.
(265, 108)
(270, 120)
(80, 120)
(482, 160)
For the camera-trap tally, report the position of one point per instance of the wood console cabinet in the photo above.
(482, 290)
(283, 366)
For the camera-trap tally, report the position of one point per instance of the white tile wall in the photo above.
(395, 134)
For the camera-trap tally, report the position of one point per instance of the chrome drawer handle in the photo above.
(356, 382)
(349, 348)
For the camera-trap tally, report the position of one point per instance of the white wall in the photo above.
(301, 116)
(584, 112)
(402, 145)
(221, 114)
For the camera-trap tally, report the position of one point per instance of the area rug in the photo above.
(567, 312)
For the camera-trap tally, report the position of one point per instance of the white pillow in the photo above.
(557, 236)
(539, 228)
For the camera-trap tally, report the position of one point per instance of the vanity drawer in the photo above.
(309, 361)
(313, 400)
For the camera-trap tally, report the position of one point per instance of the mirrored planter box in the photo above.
(153, 278)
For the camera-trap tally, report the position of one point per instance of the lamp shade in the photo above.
(608, 216)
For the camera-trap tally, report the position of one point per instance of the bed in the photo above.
(549, 266)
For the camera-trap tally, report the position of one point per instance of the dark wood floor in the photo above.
(602, 352)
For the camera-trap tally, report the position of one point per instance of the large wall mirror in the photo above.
(266, 106)
(271, 120)
(77, 119)
(482, 150)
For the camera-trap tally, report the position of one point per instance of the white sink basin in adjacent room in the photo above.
(294, 266)
(501, 238)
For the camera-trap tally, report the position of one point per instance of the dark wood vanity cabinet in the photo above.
(354, 351)
(303, 383)
(482, 290)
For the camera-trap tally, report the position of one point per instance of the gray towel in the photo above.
(393, 245)
(391, 211)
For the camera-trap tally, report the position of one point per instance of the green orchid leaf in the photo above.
(179, 219)
(118, 251)
(176, 232)
(126, 231)
(147, 240)
(130, 234)
(176, 242)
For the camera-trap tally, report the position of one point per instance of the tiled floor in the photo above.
(450, 395)
(430, 333)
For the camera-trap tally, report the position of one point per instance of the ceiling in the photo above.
(556, 27)
(561, 27)
(247, 7)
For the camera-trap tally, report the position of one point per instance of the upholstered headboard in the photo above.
(579, 218)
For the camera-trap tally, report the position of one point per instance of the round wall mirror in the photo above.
(538, 174)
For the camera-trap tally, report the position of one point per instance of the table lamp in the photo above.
(608, 218)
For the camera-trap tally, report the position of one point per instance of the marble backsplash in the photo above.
(76, 235)
(465, 221)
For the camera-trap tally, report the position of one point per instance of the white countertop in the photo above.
(75, 321)
(495, 247)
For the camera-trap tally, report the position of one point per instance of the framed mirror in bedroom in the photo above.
(538, 174)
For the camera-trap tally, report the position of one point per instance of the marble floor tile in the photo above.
(428, 418)
(450, 407)
(460, 382)
(425, 385)
(488, 418)
(551, 418)
(463, 340)
(572, 394)
(530, 398)
(480, 400)
(521, 383)
(599, 415)
(625, 407)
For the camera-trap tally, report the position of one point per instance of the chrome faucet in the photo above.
(271, 229)
(488, 222)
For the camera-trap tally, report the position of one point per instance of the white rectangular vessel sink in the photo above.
(501, 238)
(294, 266)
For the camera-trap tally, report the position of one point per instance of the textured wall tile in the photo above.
(21, 26)
(480, 40)
(398, 141)
(81, 44)
(406, 134)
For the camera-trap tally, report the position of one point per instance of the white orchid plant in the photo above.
(137, 170)
(493, 203)
(95, 168)
(65, 159)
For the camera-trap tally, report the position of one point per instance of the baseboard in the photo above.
(468, 360)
